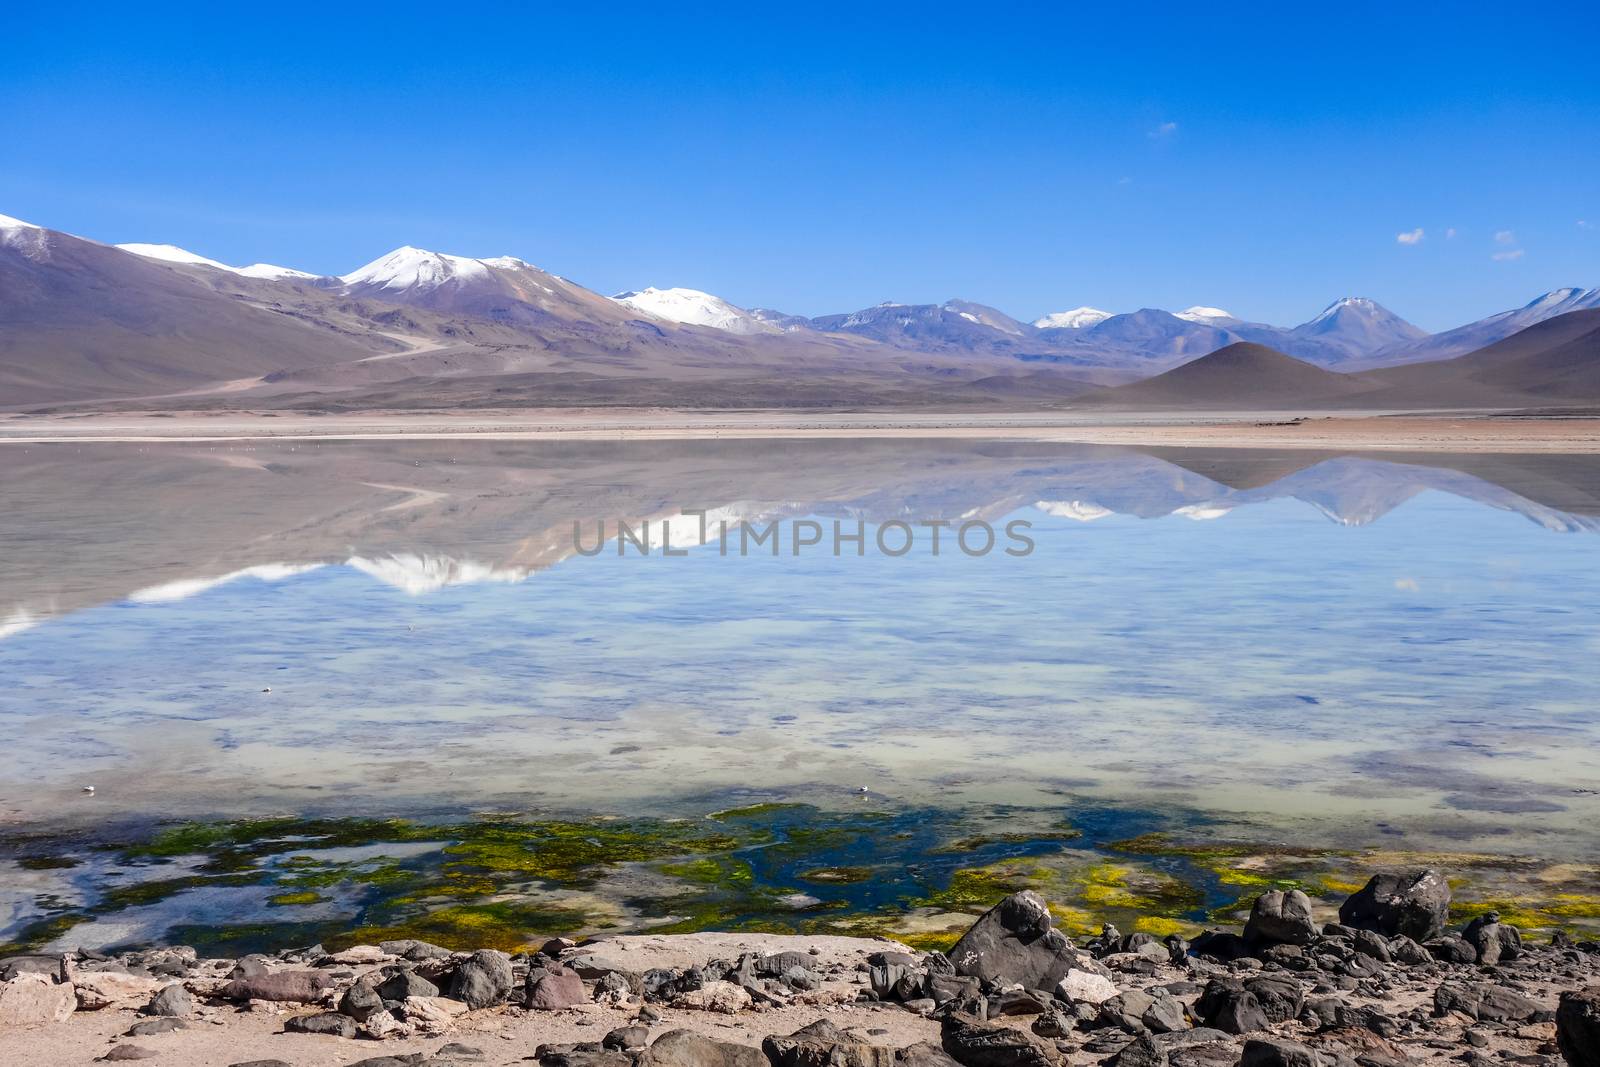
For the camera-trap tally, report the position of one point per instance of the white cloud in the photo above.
(1505, 237)
(1166, 129)
(1585, 224)
(1410, 237)
(1449, 235)
(1507, 257)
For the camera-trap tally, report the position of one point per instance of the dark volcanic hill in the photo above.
(1243, 376)
(1554, 361)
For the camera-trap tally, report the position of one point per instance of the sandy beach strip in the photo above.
(1361, 432)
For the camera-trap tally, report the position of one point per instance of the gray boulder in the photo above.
(172, 1000)
(483, 979)
(1281, 918)
(684, 1048)
(1015, 943)
(1415, 903)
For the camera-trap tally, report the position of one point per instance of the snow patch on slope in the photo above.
(1076, 319)
(693, 308)
(1205, 316)
(1076, 510)
(174, 254)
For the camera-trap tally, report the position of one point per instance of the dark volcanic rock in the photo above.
(1482, 1001)
(130, 1052)
(1278, 1052)
(1415, 903)
(483, 979)
(1239, 1007)
(976, 1044)
(626, 1037)
(685, 1048)
(1223, 945)
(327, 1022)
(582, 1055)
(1578, 1027)
(1014, 942)
(1281, 918)
(823, 1044)
(361, 1001)
(405, 984)
(923, 1054)
(1494, 941)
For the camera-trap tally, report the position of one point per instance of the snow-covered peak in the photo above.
(409, 268)
(1358, 304)
(1076, 510)
(24, 236)
(271, 272)
(1560, 301)
(173, 254)
(694, 308)
(1205, 316)
(1076, 319)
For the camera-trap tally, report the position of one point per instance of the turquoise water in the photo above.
(1429, 668)
(1325, 651)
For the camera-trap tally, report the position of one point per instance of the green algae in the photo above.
(289, 900)
(919, 877)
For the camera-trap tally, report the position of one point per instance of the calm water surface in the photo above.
(1337, 649)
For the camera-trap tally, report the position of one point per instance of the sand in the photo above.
(1373, 431)
(227, 1035)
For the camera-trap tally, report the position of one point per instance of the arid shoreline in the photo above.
(1463, 432)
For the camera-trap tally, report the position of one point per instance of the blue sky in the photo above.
(822, 158)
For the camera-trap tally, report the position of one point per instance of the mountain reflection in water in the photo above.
(407, 626)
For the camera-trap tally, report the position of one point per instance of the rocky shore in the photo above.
(1387, 981)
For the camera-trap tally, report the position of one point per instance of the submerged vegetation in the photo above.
(920, 876)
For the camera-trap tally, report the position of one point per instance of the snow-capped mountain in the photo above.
(1076, 319)
(1359, 325)
(174, 254)
(502, 288)
(416, 269)
(1206, 316)
(1497, 327)
(694, 308)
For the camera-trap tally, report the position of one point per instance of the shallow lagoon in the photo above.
(1330, 653)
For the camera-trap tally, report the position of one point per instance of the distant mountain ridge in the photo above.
(80, 320)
